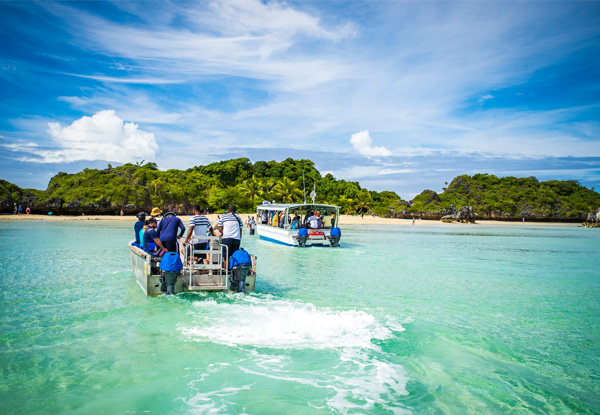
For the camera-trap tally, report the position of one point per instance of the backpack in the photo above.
(171, 262)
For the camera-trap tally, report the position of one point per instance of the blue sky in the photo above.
(397, 95)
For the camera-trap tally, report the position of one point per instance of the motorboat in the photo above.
(299, 224)
(212, 274)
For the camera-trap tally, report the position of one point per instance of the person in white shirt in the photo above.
(199, 228)
(230, 227)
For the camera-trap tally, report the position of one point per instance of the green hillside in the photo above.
(134, 187)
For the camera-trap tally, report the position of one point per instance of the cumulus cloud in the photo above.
(103, 136)
(362, 142)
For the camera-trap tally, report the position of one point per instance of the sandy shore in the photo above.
(344, 220)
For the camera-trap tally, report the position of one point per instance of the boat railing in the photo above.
(214, 266)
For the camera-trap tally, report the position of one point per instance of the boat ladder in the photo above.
(209, 276)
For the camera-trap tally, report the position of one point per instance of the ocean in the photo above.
(449, 319)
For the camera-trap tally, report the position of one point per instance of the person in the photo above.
(141, 218)
(333, 220)
(28, 210)
(121, 212)
(263, 217)
(20, 211)
(314, 221)
(295, 222)
(151, 242)
(155, 213)
(252, 225)
(248, 222)
(230, 227)
(167, 231)
(15, 209)
(215, 224)
(281, 219)
(199, 227)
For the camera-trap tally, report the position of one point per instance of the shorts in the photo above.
(170, 245)
(232, 244)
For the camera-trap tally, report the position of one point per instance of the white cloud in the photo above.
(103, 136)
(362, 142)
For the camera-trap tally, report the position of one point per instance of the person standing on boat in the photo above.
(167, 231)
(137, 227)
(199, 226)
(230, 227)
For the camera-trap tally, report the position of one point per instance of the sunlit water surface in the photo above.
(451, 319)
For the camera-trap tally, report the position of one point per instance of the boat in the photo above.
(327, 233)
(214, 276)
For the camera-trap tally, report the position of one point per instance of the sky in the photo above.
(397, 95)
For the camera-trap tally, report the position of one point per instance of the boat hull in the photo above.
(289, 237)
(148, 276)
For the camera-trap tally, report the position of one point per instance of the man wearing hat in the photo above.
(137, 227)
(155, 212)
(167, 231)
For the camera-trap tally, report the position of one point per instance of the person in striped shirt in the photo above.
(230, 226)
(199, 228)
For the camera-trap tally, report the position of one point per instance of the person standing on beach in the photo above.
(28, 210)
(167, 231)
(252, 225)
(230, 226)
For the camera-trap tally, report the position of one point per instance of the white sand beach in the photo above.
(344, 220)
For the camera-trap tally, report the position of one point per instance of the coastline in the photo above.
(344, 220)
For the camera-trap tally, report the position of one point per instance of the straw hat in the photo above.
(155, 212)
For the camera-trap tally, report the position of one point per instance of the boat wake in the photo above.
(330, 355)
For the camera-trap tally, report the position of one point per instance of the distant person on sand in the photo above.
(252, 225)
(28, 211)
(167, 231)
(20, 210)
(121, 212)
(15, 209)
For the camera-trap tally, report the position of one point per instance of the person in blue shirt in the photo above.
(150, 241)
(137, 227)
(167, 231)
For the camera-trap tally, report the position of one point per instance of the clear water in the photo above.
(423, 320)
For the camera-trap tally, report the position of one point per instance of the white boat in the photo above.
(214, 276)
(286, 233)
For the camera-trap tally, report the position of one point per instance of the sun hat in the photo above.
(155, 212)
(141, 215)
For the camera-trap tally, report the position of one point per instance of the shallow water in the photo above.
(423, 320)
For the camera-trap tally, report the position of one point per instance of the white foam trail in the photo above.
(361, 377)
(284, 324)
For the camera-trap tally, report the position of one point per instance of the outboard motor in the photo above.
(334, 237)
(240, 264)
(170, 265)
(302, 237)
(238, 277)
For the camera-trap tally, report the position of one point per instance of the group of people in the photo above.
(18, 210)
(158, 234)
(312, 220)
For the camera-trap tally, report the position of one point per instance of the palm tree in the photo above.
(156, 183)
(363, 202)
(267, 189)
(288, 190)
(251, 187)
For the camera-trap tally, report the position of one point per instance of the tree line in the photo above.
(132, 187)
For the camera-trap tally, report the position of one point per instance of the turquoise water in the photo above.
(403, 319)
